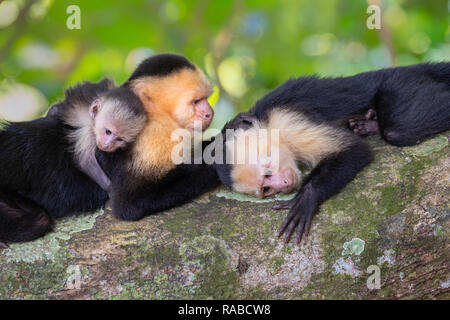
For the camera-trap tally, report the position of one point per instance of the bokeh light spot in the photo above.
(419, 43)
(9, 10)
(231, 77)
(254, 24)
(37, 55)
(355, 51)
(317, 45)
(170, 12)
(136, 56)
(19, 102)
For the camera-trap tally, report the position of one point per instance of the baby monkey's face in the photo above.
(109, 137)
(114, 127)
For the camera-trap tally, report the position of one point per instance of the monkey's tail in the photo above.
(21, 219)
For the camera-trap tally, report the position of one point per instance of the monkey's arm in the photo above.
(327, 179)
(179, 187)
(91, 167)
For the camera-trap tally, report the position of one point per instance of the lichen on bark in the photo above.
(225, 246)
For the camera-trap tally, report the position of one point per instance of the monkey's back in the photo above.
(36, 161)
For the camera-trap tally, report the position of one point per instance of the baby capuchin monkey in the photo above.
(40, 178)
(108, 123)
(405, 105)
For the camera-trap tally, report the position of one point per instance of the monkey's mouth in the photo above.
(105, 148)
(206, 124)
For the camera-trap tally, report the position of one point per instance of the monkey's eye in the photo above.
(266, 189)
(108, 132)
(196, 101)
(119, 139)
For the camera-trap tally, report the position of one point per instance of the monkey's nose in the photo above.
(209, 115)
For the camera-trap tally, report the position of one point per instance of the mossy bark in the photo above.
(394, 216)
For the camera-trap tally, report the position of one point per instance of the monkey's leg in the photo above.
(415, 110)
(366, 125)
(327, 179)
(21, 219)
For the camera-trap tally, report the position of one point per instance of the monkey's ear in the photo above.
(243, 120)
(146, 100)
(95, 108)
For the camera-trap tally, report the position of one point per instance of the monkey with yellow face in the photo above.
(144, 179)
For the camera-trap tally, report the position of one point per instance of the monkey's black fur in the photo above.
(39, 178)
(160, 65)
(412, 103)
(133, 197)
(84, 94)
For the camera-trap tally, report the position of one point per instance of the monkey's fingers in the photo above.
(286, 222)
(290, 230)
(300, 229)
(304, 227)
(308, 225)
(3, 245)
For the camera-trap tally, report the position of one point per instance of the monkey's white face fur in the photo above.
(262, 166)
(114, 125)
(300, 140)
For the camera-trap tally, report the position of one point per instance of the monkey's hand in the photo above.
(3, 245)
(302, 208)
(327, 179)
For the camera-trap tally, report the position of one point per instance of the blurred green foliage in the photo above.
(246, 47)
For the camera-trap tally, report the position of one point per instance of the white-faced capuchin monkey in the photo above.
(411, 104)
(144, 179)
(110, 122)
(175, 94)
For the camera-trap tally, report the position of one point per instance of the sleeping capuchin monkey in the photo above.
(405, 105)
(110, 122)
